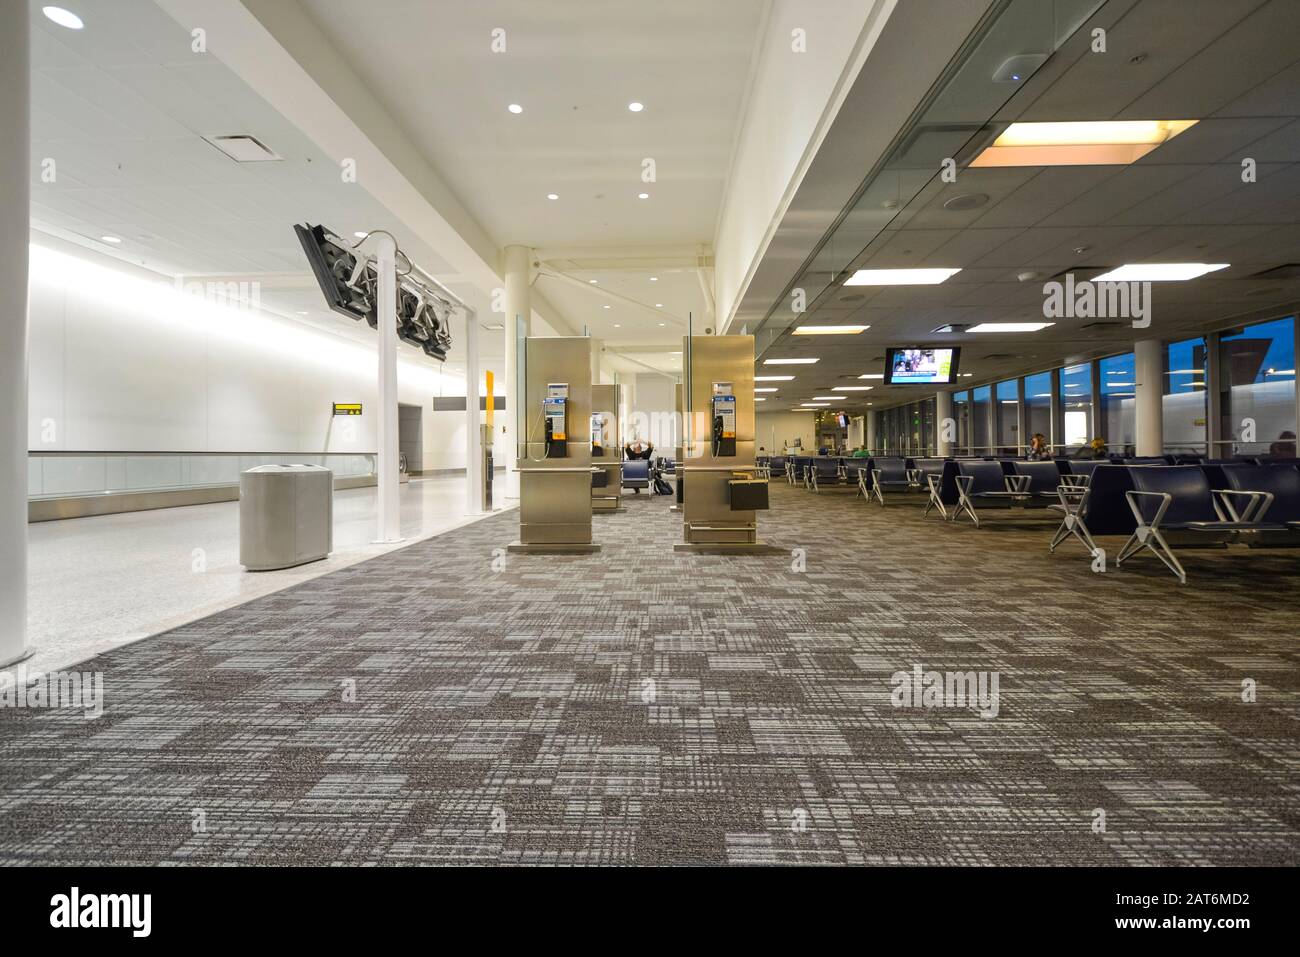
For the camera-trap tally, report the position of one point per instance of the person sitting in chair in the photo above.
(1038, 450)
(638, 451)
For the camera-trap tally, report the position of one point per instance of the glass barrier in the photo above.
(70, 474)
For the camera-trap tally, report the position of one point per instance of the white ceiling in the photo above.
(122, 107)
(1234, 65)
(574, 69)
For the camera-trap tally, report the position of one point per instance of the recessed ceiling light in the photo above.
(302, 312)
(766, 389)
(593, 281)
(64, 18)
(852, 388)
(899, 277)
(617, 326)
(642, 195)
(759, 398)
(773, 378)
(1104, 143)
(1009, 326)
(636, 107)
(828, 398)
(515, 108)
(360, 235)
(659, 305)
(789, 362)
(654, 278)
(872, 375)
(111, 239)
(829, 330)
(552, 195)
(1159, 272)
(663, 324)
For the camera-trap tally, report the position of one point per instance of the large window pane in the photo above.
(1118, 403)
(1184, 399)
(1006, 412)
(981, 398)
(1257, 388)
(1076, 405)
(1038, 406)
(961, 412)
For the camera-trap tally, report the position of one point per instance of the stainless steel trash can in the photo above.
(286, 516)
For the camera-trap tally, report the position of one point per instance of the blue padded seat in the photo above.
(825, 471)
(1178, 498)
(777, 464)
(1280, 481)
(1044, 478)
(987, 479)
(636, 474)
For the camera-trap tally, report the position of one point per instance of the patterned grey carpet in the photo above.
(642, 707)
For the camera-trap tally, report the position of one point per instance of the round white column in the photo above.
(1149, 369)
(15, 214)
(390, 523)
(518, 261)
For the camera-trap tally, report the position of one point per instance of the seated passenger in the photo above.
(1038, 450)
(638, 451)
(1096, 449)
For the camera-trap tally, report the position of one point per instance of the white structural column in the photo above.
(390, 526)
(517, 266)
(1149, 371)
(944, 423)
(871, 431)
(473, 423)
(15, 160)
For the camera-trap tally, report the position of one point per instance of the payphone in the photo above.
(597, 434)
(554, 411)
(723, 419)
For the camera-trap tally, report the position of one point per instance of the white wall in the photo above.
(124, 363)
(792, 99)
(652, 412)
(775, 430)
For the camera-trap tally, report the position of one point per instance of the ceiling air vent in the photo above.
(243, 148)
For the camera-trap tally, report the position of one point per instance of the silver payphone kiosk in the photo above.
(555, 446)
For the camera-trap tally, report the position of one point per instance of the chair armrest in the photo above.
(913, 476)
(1078, 481)
(1073, 497)
(1256, 508)
(1165, 499)
(964, 483)
(1016, 483)
(934, 480)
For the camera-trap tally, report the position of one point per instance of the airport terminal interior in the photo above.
(814, 432)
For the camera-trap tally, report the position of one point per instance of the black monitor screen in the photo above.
(921, 366)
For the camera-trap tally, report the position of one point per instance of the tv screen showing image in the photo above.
(921, 366)
(842, 420)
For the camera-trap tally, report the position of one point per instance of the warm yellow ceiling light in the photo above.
(829, 330)
(1102, 143)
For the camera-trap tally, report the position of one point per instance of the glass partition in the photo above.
(1184, 398)
(981, 400)
(1257, 388)
(1118, 400)
(1038, 406)
(1006, 413)
(1076, 405)
(76, 474)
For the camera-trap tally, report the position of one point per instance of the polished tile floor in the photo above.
(98, 583)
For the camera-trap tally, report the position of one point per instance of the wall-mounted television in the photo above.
(920, 365)
(842, 420)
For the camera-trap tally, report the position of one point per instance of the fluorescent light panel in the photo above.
(872, 375)
(1009, 326)
(899, 277)
(773, 378)
(773, 389)
(1095, 143)
(789, 362)
(1159, 272)
(829, 330)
